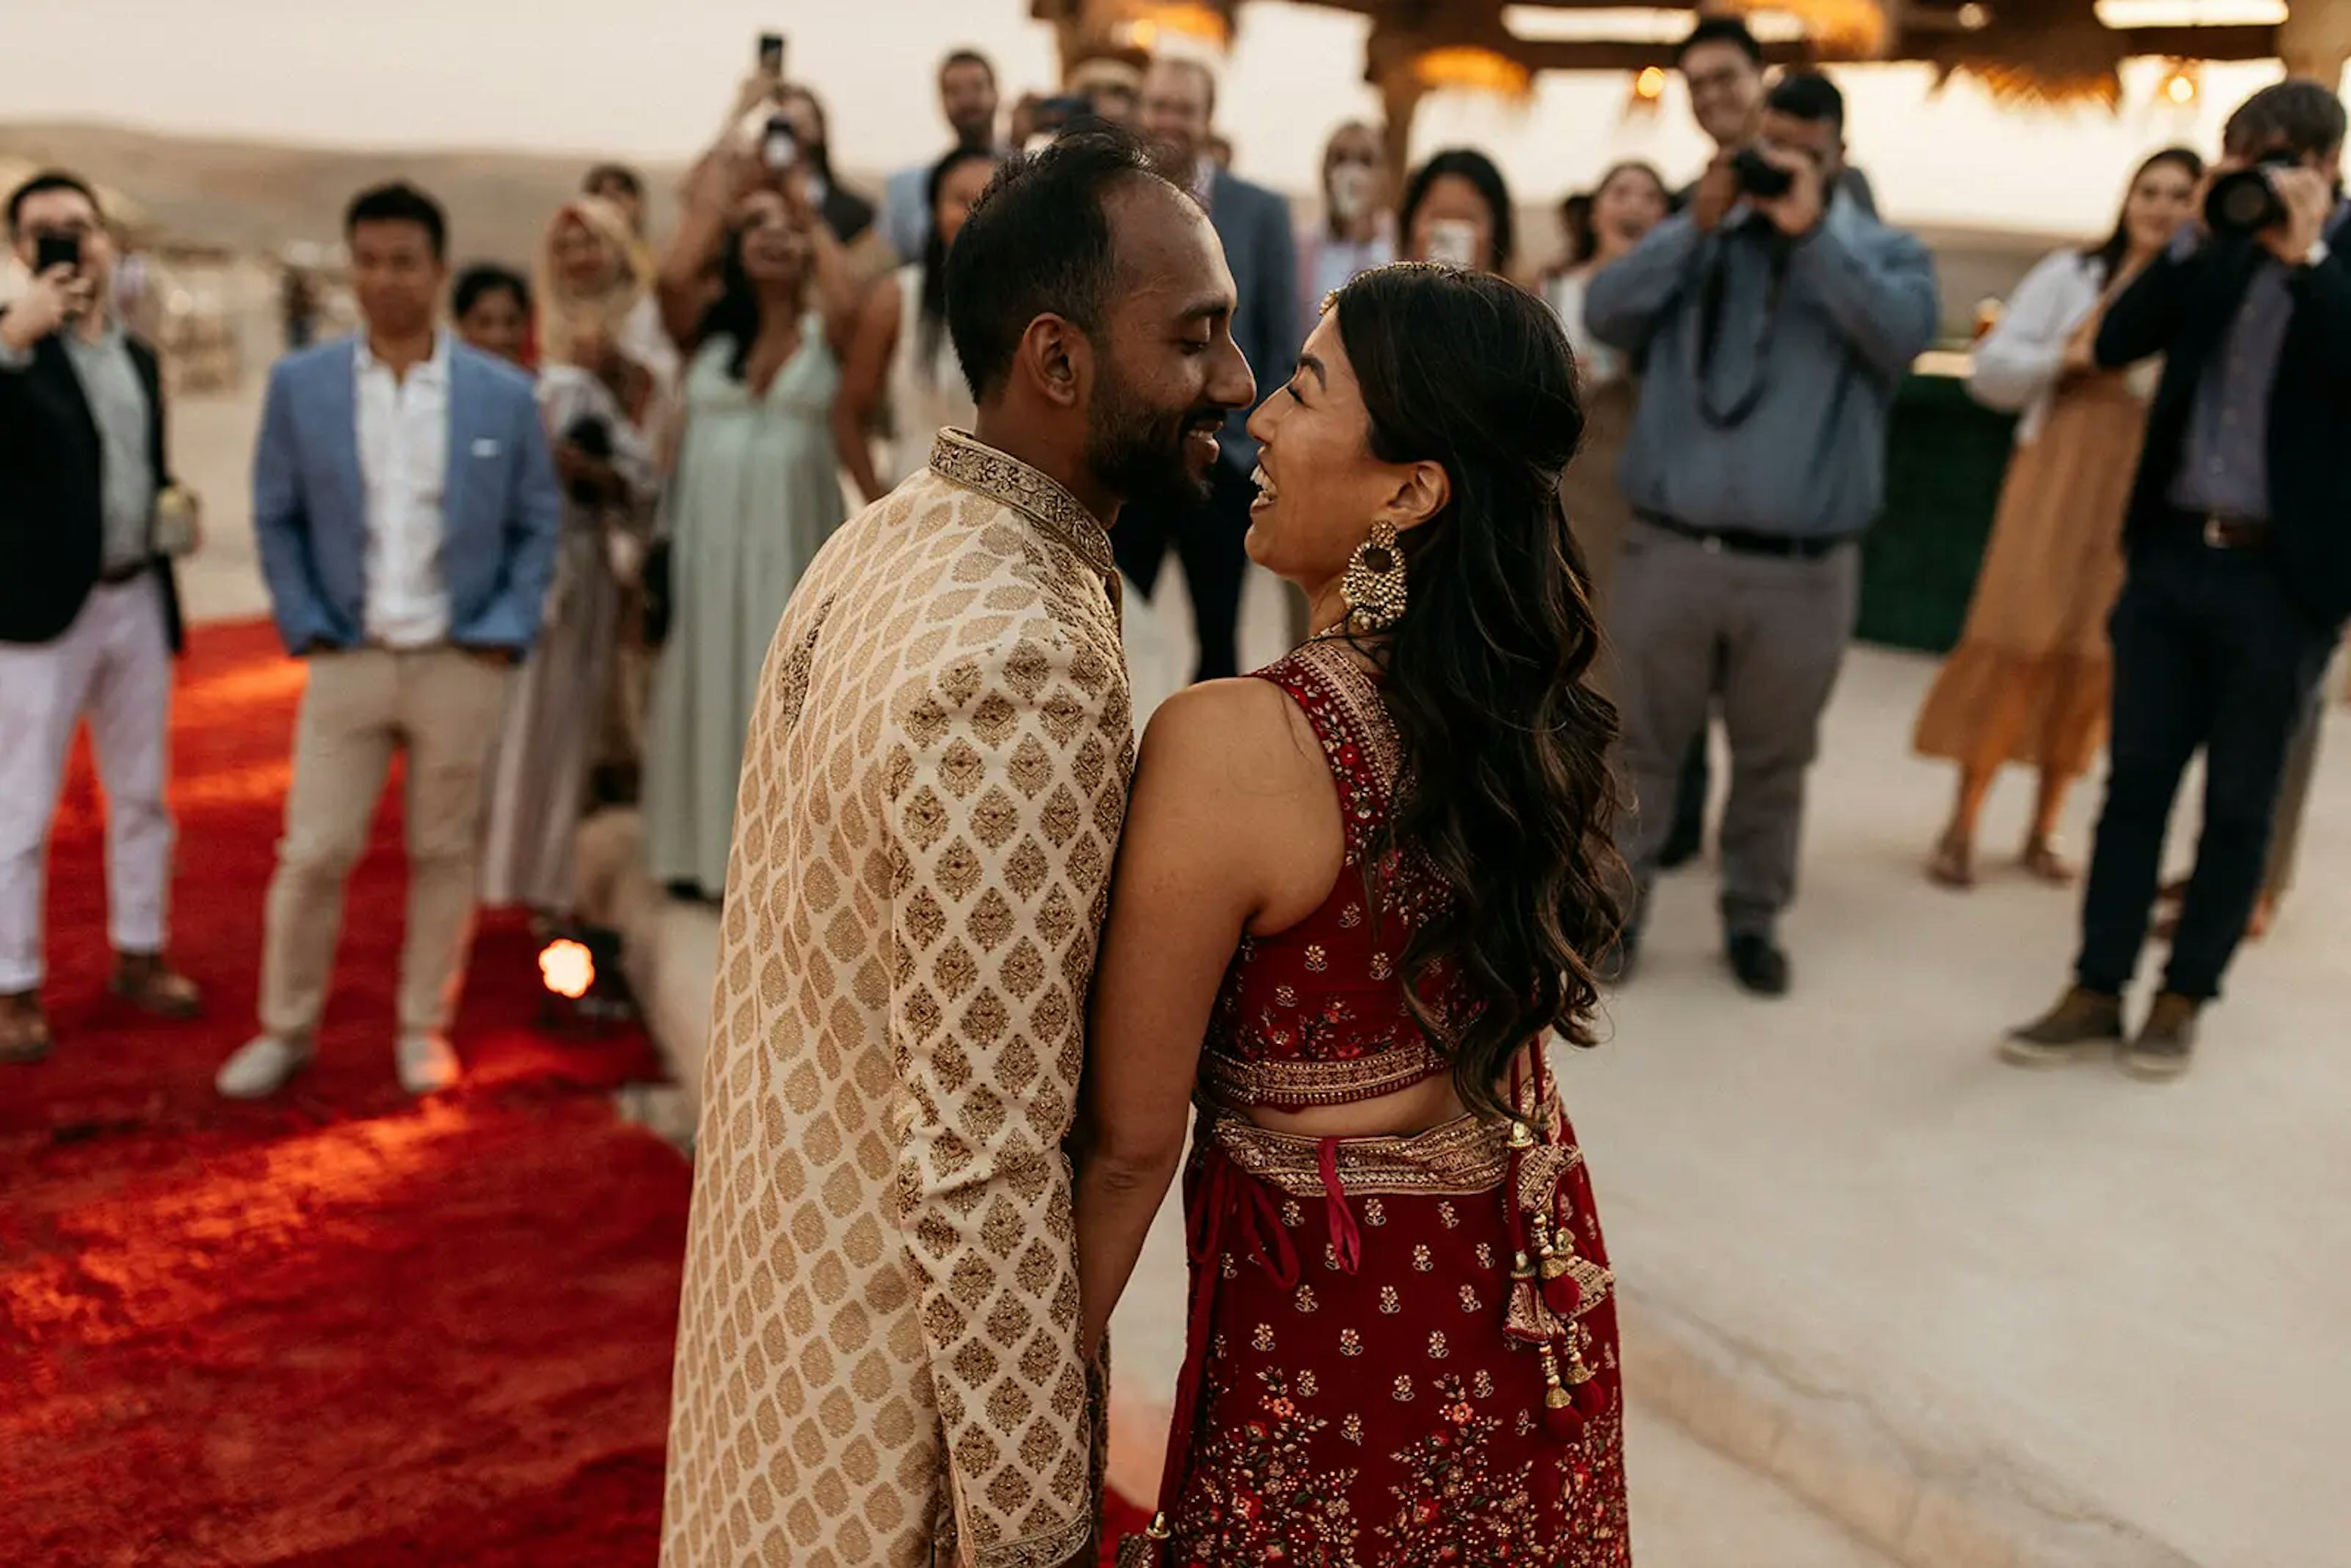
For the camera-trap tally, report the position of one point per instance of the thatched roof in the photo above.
(2024, 50)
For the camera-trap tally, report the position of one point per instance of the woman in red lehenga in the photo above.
(1354, 896)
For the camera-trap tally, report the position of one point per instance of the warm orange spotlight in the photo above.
(567, 968)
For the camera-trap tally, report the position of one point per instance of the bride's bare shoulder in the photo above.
(1244, 736)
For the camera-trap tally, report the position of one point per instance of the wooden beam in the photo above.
(1605, 55)
(2220, 41)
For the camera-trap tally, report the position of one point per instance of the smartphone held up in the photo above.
(52, 251)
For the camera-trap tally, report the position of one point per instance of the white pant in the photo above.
(113, 664)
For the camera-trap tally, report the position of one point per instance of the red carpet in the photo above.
(341, 1328)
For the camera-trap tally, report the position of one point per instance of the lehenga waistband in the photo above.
(1467, 1156)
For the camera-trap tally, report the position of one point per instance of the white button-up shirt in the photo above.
(403, 443)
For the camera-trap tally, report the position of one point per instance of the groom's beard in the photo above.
(1137, 452)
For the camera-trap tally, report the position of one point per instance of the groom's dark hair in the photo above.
(1038, 243)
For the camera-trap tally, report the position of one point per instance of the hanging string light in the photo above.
(1648, 90)
(2181, 85)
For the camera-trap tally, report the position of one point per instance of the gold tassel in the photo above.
(1143, 1551)
(1528, 1321)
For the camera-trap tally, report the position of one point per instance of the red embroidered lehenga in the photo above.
(1402, 1350)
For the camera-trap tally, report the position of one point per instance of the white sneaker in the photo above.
(261, 1068)
(427, 1065)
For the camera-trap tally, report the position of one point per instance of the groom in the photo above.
(877, 1362)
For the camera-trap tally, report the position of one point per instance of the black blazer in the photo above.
(2183, 310)
(52, 495)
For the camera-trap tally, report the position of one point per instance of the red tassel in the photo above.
(1591, 1398)
(1562, 1295)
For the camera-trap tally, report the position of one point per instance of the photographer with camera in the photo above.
(90, 615)
(1775, 318)
(2239, 575)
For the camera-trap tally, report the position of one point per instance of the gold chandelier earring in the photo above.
(1374, 587)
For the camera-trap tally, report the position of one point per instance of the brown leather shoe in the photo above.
(2080, 1018)
(150, 984)
(2166, 1041)
(24, 1027)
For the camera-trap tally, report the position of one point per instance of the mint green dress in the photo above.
(757, 490)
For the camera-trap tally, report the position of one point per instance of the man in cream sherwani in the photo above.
(878, 1360)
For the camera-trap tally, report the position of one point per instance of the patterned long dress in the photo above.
(1402, 1351)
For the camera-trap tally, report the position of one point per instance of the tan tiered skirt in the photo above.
(2030, 680)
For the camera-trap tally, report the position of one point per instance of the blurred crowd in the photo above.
(536, 524)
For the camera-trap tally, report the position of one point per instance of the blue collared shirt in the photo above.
(2224, 460)
(1781, 429)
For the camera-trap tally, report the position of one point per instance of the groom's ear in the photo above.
(1056, 357)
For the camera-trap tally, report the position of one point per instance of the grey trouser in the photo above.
(1773, 630)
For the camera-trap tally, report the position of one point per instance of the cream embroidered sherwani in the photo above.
(878, 1355)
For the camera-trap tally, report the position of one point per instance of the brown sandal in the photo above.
(2043, 860)
(23, 1028)
(1953, 864)
(153, 986)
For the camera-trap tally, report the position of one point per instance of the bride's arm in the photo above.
(1199, 851)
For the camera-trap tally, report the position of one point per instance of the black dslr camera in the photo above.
(1758, 176)
(2243, 201)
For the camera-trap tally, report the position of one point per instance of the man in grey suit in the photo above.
(1179, 104)
(406, 510)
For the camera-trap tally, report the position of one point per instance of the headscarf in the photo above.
(564, 314)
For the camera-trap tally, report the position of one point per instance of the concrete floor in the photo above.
(1982, 1315)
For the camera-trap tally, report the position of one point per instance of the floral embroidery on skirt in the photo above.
(1392, 1426)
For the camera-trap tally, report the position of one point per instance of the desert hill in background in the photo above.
(257, 197)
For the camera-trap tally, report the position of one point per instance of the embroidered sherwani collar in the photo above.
(975, 465)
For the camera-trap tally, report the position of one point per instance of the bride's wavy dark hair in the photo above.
(1506, 791)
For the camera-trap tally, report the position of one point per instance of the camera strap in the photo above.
(1713, 297)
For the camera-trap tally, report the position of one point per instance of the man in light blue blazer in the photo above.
(1179, 103)
(406, 509)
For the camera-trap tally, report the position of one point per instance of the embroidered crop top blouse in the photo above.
(1317, 1015)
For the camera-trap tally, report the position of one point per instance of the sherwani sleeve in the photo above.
(1005, 794)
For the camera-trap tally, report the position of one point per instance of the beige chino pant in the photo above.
(441, 706)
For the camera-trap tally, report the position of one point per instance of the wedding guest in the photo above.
(90, 613)
(2238, 576)
(547, 747)
(2030, 679)
(1773, 332)
(595, 312)
(902, 358)
(625, 189)
(1457, 210)
(407, 516)
(492, 308)
(967, 101)
(1179, 108)
(848, 214)
(755, 490)
(1630, 200)
(1357, 230)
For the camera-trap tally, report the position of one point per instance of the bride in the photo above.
(1356, 893)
